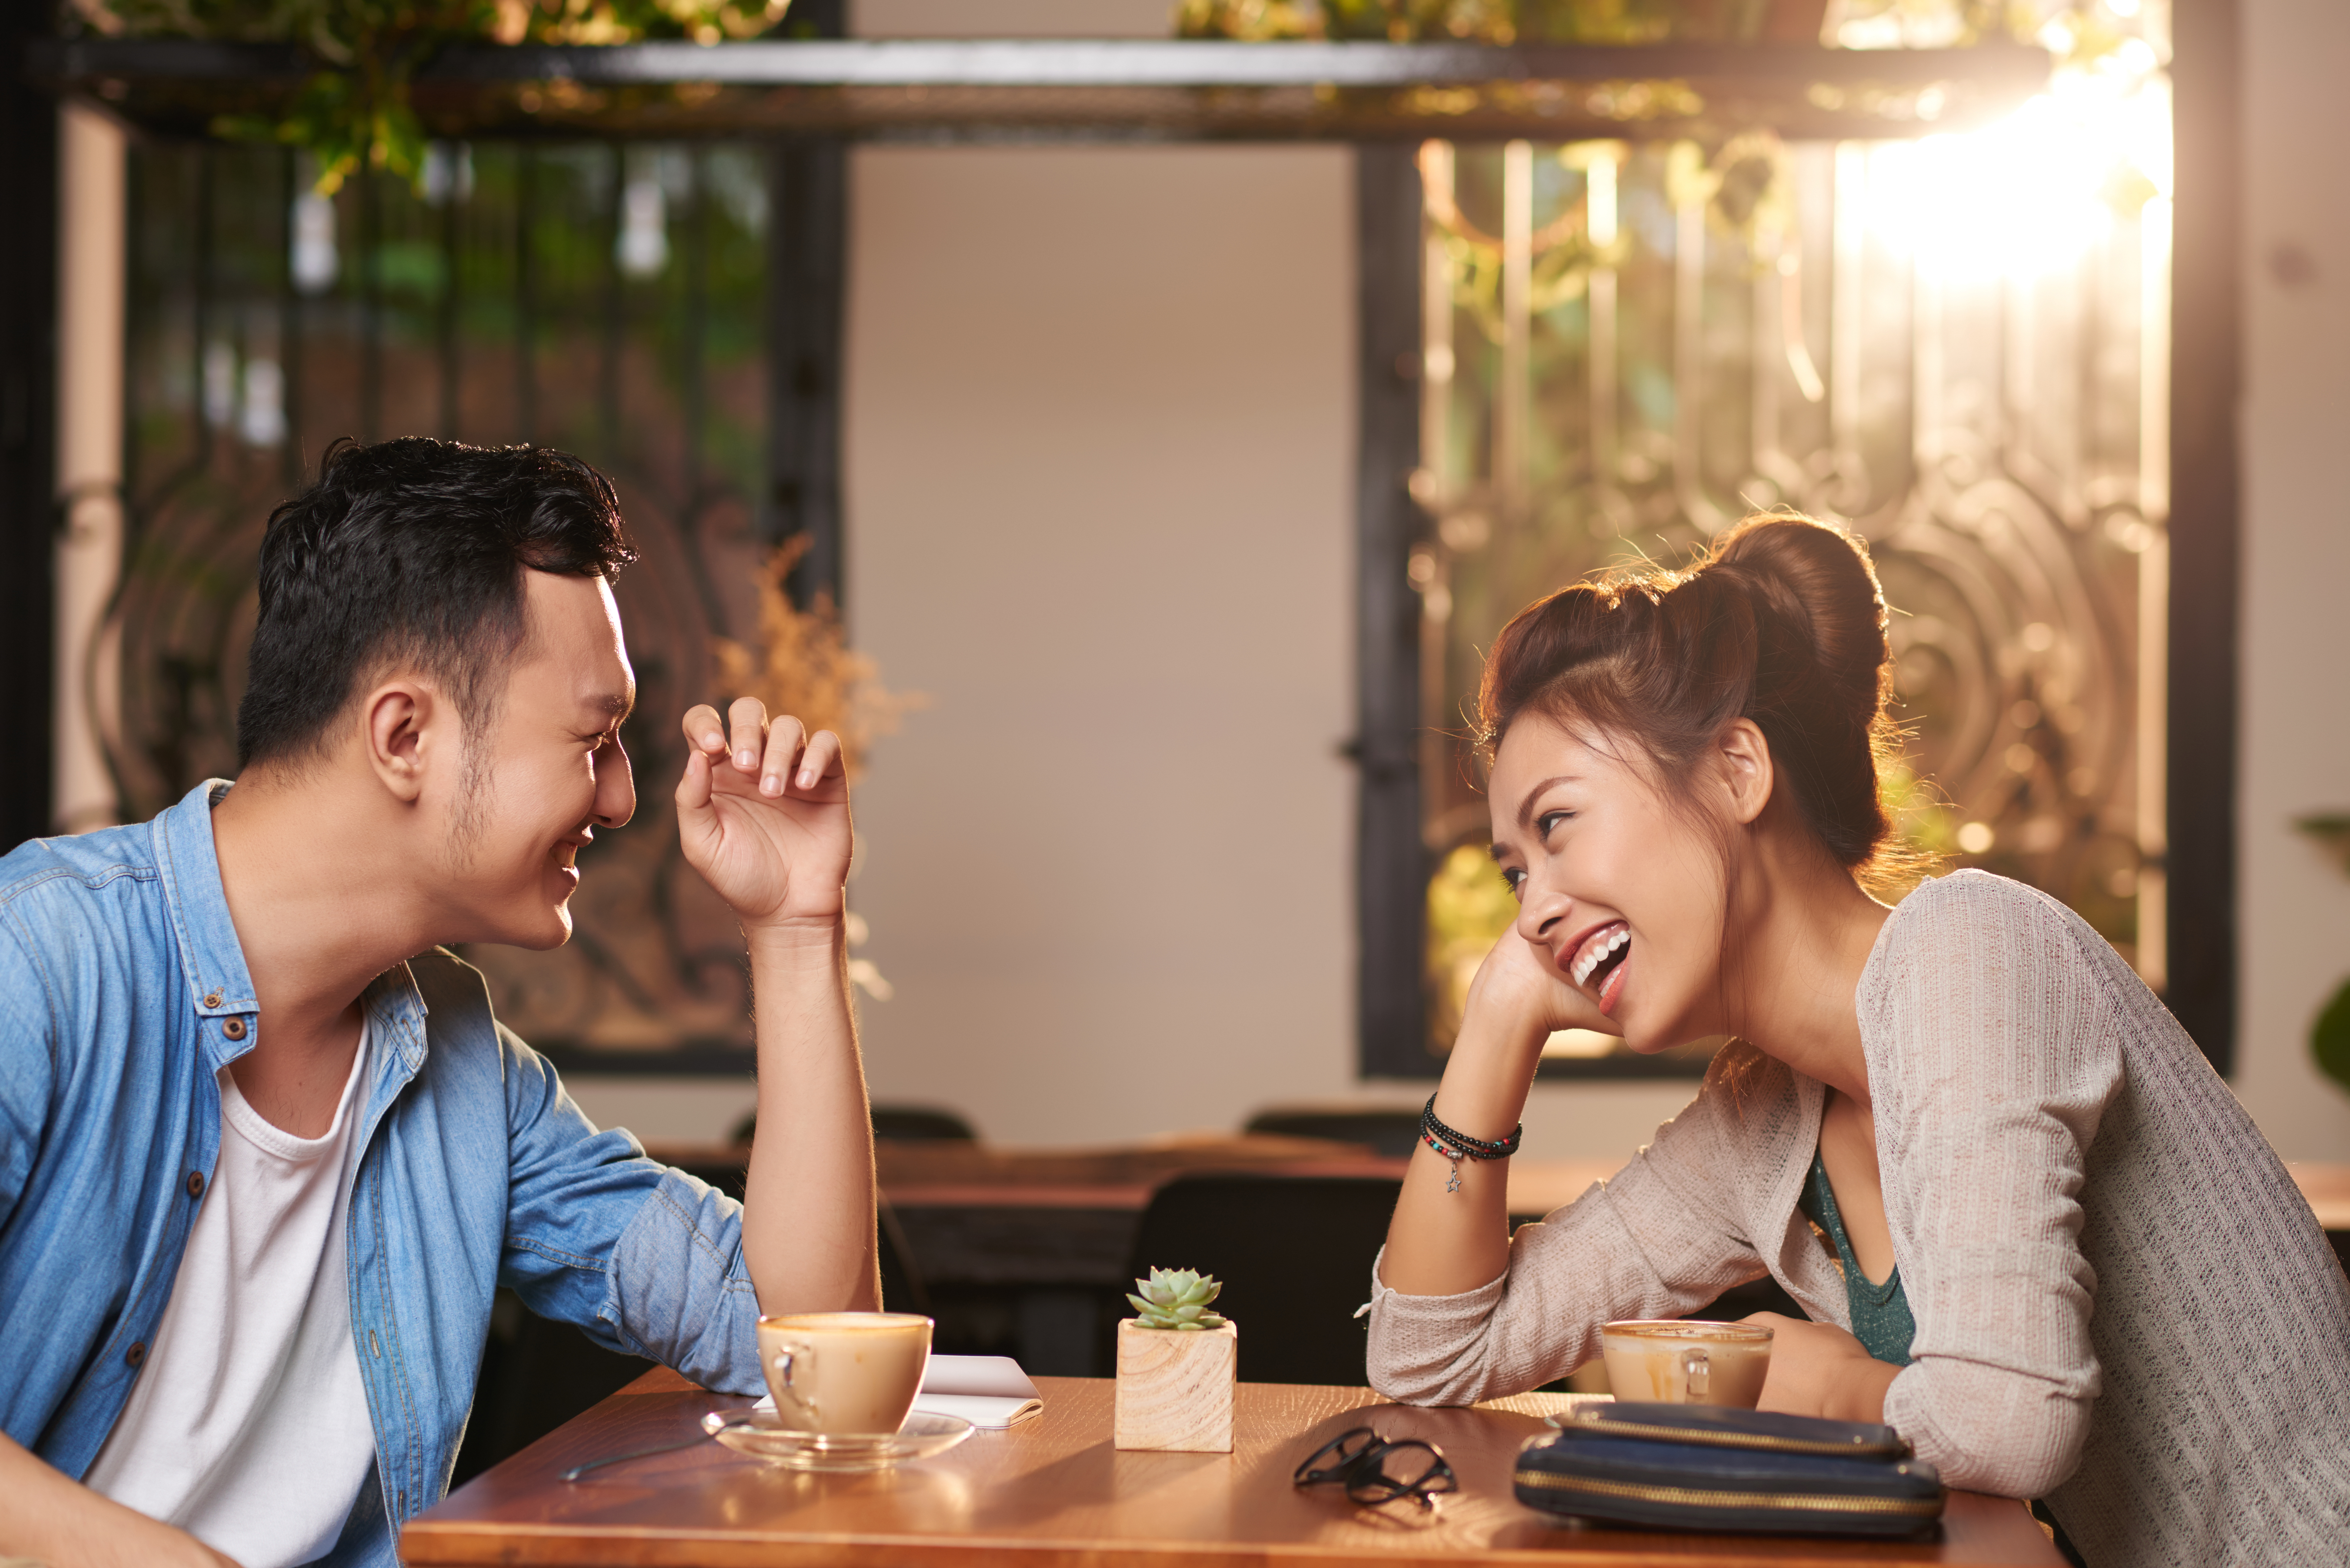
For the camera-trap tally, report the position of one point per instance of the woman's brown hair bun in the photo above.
(1780, 622)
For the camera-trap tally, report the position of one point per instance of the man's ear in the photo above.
(404, 740)
(1746, 769)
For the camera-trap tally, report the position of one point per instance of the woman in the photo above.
(1963, 1126)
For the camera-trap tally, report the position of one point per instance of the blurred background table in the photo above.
(1053, 1492)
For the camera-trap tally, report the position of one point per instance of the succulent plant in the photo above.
(1177, 1298)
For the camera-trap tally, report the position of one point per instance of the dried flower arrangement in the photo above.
(805, 666)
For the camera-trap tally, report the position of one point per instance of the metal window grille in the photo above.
(1622, 349)
(614, 300)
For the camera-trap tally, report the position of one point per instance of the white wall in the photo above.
(1101, 424)
(1098, 424)
(2295, 925)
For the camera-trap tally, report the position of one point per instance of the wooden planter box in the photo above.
(1175, 1389)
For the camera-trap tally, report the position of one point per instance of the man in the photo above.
(265, 1154)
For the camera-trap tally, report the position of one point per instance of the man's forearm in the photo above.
(49, 1518)
(807, 1221)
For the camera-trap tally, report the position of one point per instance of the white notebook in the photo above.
(991, 1392)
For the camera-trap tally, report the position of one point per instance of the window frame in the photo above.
(1393, 865)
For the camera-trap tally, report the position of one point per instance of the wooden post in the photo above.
(93, 151)
(1175, 1387)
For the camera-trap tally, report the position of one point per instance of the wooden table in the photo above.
(2327, 1188)
(1052, 1493)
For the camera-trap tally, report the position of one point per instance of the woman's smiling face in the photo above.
(1621, 891)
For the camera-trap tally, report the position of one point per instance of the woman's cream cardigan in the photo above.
(2124, 1304)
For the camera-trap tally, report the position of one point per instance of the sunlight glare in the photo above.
(2027, 194)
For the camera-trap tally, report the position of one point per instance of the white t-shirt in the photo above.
(248, 1426)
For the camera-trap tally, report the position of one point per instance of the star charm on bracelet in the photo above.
(1456, 1147)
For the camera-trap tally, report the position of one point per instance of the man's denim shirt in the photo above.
(121, 985)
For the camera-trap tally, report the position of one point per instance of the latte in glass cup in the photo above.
(1686, 1361)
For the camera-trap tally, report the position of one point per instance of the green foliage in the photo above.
(1469, 909)
(1925, 831)
(1472, 21)
(354, 108)
(2329, 1038)
(1177, 1298)
(2080, 32)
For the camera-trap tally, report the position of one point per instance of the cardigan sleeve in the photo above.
(1661, 1238)
(1993, 1054)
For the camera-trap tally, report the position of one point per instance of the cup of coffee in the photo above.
(844, 1373)
(1683, 1361)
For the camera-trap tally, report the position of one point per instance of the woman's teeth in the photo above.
(1596, 952)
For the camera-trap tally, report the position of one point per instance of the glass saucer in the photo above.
(921, 1437)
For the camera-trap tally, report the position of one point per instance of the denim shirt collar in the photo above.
(214, 960)
(210, 955)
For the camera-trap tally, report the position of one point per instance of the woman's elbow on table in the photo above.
(2015, 1438)
(1405, 1366)
(1421, 1386)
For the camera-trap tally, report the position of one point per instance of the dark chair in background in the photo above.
(905, 1124)
(924, 1123)
(1295, 1253)
(1393, 1133)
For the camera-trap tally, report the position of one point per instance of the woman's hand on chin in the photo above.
(1819, 1369)
(1521, 996)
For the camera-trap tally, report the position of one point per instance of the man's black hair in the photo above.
(412, 551)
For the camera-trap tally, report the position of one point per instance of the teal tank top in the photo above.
(1880, 1312)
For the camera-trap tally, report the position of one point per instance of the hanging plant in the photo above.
(2078, 32)
(354, 107)
(1468, 21)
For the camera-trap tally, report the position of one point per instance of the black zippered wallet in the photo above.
(1706, 1467)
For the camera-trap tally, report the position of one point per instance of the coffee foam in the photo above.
(1709, 1334)
(846, 1321)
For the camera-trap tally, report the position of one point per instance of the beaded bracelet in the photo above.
(1458, 1147)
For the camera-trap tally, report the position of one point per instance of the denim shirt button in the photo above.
(234, 1029)
(212, 998)
(195, 1184)
(136, 1353)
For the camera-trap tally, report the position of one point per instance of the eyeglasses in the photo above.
(1375, 1470)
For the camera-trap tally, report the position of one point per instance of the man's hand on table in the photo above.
(1819, 1369)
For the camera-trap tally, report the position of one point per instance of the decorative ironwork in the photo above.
(602, 298)
(1626, 347)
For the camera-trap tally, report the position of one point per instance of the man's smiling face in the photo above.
(543, 771)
